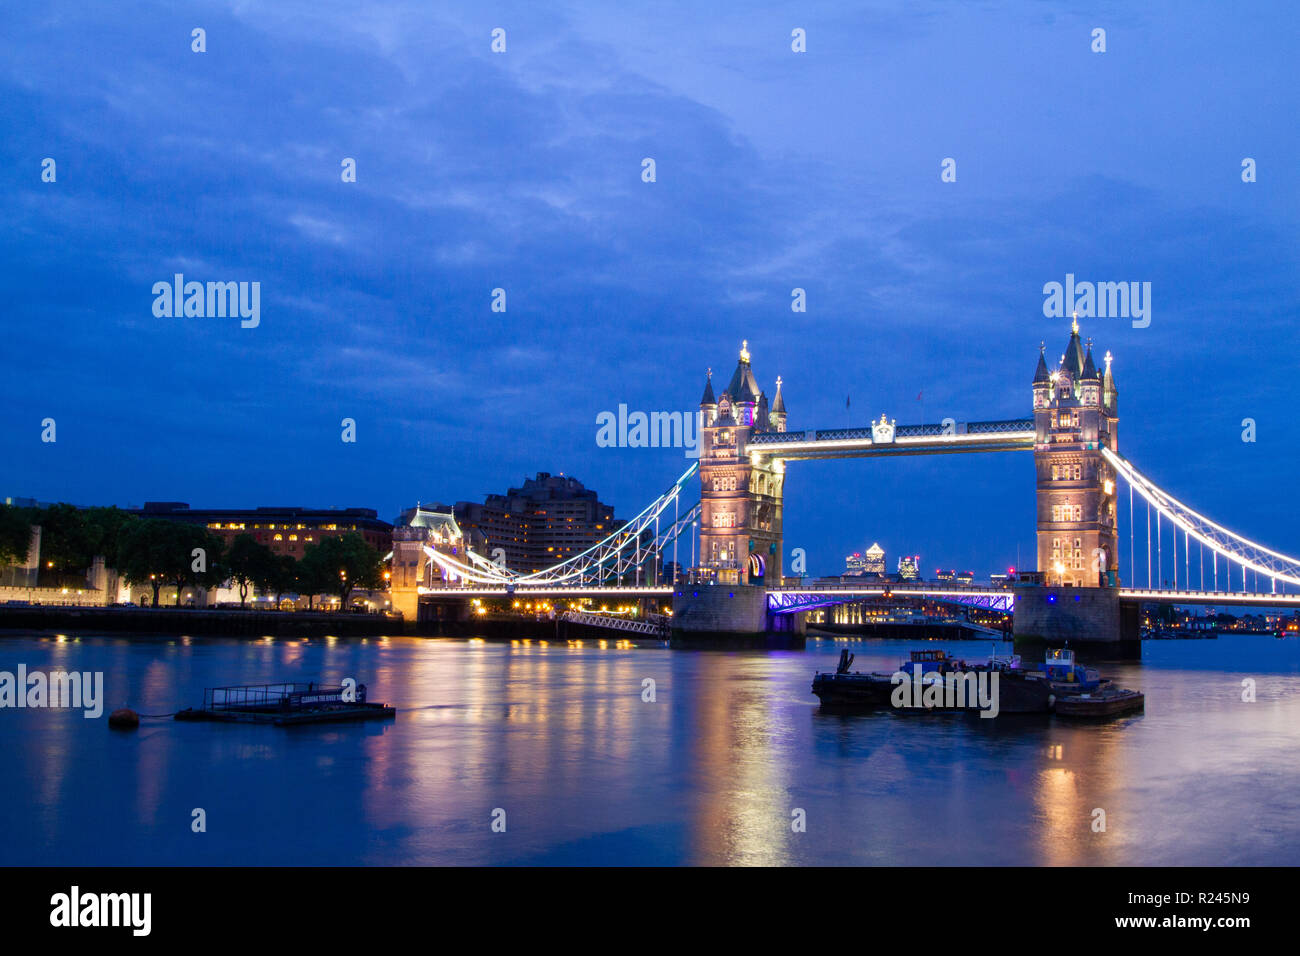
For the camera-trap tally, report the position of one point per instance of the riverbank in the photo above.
(231, 622)
(228, 622)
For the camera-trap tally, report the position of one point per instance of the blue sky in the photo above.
(521, 170)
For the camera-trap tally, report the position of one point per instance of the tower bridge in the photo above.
(736, 589)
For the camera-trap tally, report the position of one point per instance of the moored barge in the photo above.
(1110, 702)
(287, 704)
(1018, 690)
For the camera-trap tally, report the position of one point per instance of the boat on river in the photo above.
(1018, 691)
(287, 704)
(1109, 702)
(1067, 676)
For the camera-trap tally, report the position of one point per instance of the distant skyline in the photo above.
(522, 171)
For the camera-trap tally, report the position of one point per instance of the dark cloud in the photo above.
(523, 172)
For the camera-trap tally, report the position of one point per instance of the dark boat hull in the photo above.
(314, 715)
(1106, 705)
(1017, 694)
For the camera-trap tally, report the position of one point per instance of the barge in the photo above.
(1018, 690)
(1110, 702)
(287, 704)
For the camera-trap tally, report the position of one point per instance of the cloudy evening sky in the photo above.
(522, 170)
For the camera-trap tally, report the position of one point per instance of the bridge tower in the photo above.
(1076, 414)
(740, 494)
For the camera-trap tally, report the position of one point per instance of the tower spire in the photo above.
(707, 398)
(1072, 361)
(1041, 374)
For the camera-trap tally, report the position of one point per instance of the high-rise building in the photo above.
(909, 567)
(543, 522)
(875, 559)
(1076, 415)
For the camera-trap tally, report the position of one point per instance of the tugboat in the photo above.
(1067, 677)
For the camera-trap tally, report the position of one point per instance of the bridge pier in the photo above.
(1093, 621)
(406, 601)
(731, 616)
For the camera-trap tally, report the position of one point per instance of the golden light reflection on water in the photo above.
(560, 736)
(744, 817)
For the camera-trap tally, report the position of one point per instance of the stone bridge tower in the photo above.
(740, 494)
(1076, 414)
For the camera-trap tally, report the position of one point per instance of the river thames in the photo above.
(714, 770)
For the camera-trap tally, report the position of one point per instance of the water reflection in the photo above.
(558, 735)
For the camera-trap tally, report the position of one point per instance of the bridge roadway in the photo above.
(550, 590)
(789, 600)
(1247, 599)
(780, 600)
(881, 439)
(792, 599)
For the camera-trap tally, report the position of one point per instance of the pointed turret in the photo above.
(1072, 361)
(1108, 390)
(1041, 375)
(708, 399)
(708, 404)
(743, 388)
(1089, 369)
(777, 415)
